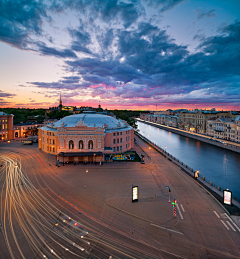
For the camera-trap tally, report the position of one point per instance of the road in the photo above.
(99, 198)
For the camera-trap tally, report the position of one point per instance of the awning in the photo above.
(68, 154)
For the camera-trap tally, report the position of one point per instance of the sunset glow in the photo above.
(144, 55)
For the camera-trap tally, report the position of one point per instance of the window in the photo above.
(5, 126)
(81, 146)
(114, 141)
(126, 145)
(90, 144)
(53, 141)
(50, 149)
(120, 147)
(53, 149)
(121, 140)
(117, 148)
(71, 144)
(114, 134)
(118, 140)
(118, 133)
(49, 141)
(126, 138)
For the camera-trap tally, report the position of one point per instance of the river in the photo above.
(218, 165)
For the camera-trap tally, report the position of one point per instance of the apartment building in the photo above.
(222, 128)
(237, 129)
(6, 126)
(196, 121)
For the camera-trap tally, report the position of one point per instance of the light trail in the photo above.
(28, 215)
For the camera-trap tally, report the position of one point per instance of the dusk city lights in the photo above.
(119, 129)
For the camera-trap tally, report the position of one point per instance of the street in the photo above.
(99, 198)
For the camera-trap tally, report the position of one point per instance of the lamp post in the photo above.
(150, 152)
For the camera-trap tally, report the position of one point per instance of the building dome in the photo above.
(90, 120)
(86, 137)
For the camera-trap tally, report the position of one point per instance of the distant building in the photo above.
(222, 128)
(237, 129)
(194, 121)
(22, 130)
(6, 126)
(86, 137)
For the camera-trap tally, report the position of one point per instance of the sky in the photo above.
(121, 54)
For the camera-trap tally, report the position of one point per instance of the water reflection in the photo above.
(220, 166)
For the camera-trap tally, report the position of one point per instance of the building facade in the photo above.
(222, 128)
(22, 130)
(86, 137)
(6, 126)
(196, 121)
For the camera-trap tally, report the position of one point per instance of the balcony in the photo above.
(219, 130)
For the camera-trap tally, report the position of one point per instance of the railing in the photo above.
(183, 166)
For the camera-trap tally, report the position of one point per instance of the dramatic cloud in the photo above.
(8, 95)
(205, 14)
(119, 50)
(19, 19)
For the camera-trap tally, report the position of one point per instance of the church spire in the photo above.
(60, 102)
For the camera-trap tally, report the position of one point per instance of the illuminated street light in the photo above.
(150, 151)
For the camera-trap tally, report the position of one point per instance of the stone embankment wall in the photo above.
(196, 136)
(215, 190)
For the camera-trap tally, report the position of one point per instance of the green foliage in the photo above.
(20, 115)
(56, 114)
(128, 116)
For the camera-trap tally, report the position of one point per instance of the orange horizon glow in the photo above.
(128, 107)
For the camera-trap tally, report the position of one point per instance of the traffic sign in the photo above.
(167, 187)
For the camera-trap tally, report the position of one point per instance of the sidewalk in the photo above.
(233, 210)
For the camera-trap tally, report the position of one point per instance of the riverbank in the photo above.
(215, 191)
(207, 139)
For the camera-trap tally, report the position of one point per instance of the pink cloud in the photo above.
(94, 86)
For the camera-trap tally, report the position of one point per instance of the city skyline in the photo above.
(125, 54)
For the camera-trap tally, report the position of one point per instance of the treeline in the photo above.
(128, 116)
(20, 115)
(58, 114)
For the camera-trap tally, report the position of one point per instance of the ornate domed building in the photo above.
(86, 137)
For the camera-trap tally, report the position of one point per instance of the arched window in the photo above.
(81, 146)
(90, 144)
(71, 144)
